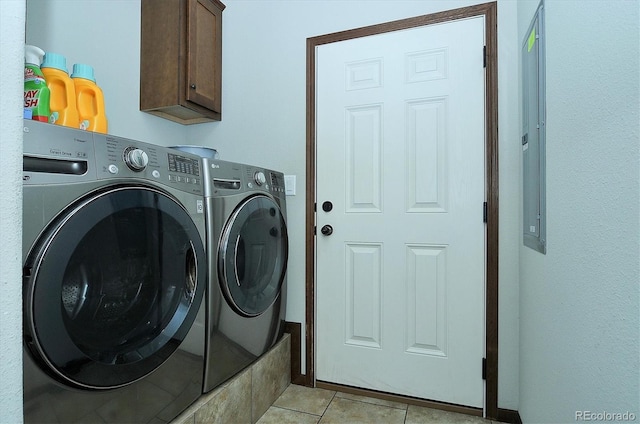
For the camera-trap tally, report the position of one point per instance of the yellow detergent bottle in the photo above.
(62, 100)
(89, 99)
(36, 92)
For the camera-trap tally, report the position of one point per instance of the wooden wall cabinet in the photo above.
(181, 59)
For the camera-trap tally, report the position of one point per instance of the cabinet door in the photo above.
(204, 53)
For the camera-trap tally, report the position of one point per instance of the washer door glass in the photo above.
(252, 256)
(113, 287)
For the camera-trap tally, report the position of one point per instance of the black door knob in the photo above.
(327, 206)
(326, 230)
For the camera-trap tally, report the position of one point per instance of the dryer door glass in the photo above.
(253, 254)
(114, 286)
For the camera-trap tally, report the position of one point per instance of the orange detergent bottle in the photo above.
(62, 100)
(89, 99)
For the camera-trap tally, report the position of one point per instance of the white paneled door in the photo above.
(400, 280)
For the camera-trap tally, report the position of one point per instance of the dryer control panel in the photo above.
(260, 178)
(222, 178)
(277, 181)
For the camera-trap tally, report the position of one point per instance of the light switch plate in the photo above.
(290, 185)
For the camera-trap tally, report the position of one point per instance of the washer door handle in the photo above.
(191, 269)
(235, 260)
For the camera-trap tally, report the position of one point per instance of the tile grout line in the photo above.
(328, 404)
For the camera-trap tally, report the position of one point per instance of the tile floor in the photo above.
(305, 405)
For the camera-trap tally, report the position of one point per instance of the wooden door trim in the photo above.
(489, 12)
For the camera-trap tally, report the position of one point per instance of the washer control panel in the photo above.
(55, 154)
(125, 158)
(184, 165)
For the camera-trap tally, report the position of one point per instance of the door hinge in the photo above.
(484, 212)
(484, 56)
(484, 368)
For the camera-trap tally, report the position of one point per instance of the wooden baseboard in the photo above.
(300, 381)
(509, 416)
(295, 329)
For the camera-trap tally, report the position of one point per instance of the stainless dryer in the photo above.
(247, 244)
(114, 278)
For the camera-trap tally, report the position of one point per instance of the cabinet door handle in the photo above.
(193, 86)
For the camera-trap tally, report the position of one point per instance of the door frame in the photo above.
(489, 12)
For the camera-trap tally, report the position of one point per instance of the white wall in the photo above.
(579, 302)
(12, 15)
(509, 222)
(264, 71)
